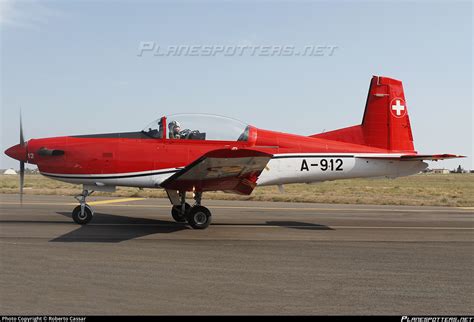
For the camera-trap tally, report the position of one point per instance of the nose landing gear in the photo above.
(83, 213)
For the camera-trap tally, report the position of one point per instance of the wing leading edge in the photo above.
(227, 170)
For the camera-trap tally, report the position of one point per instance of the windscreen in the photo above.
(206, 127)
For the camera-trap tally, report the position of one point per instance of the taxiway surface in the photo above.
(256, 258)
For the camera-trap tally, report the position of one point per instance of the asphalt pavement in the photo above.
(256, 258)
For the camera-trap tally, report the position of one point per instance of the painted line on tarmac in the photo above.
(401, 227)
(303, 227)
(108, 203)
(102, 202)
(457, 210)
(223, 225)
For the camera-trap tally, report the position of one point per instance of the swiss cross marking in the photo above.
(397, 107)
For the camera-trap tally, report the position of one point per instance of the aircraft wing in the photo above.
(227, 170)
(413, 157)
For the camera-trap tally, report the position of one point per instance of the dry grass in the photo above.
(420, 190)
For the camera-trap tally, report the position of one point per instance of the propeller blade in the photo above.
(22, 180)
(22, 139)
(22, 164)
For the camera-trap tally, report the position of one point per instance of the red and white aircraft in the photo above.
(217, 153)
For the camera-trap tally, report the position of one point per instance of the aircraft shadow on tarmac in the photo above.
(282, 224)
(113, 229)
(108, 228)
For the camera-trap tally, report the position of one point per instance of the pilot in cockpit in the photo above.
(174, 129)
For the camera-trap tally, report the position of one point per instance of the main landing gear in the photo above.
(197, 216)
(83, 213)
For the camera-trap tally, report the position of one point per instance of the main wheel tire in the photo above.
(177, 215)
(199, 217)
(82, 219)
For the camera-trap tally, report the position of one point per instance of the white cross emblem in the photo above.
(398, 108)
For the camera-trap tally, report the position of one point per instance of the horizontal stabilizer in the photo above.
(413, 157)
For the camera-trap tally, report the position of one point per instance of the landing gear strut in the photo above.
(83, 213)
(197, 216)
(178, 212)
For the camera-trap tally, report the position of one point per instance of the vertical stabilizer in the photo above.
(385, 125)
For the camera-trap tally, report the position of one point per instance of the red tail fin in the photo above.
(385, 125)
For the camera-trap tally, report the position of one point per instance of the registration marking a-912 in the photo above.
(324, 165)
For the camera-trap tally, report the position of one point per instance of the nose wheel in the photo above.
(83, 213)
(82, 216)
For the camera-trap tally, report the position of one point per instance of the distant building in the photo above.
(10, 172)
(440, 171)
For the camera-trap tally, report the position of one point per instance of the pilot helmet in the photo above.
(173, 125)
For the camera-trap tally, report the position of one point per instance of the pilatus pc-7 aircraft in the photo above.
(199, 153)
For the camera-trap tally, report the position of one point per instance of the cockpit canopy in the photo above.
(198, 127)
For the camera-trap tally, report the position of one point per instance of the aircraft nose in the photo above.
(17, 152)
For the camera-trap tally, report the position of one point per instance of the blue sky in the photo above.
(74, 68)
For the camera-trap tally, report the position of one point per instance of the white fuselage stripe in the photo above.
(282, 168)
